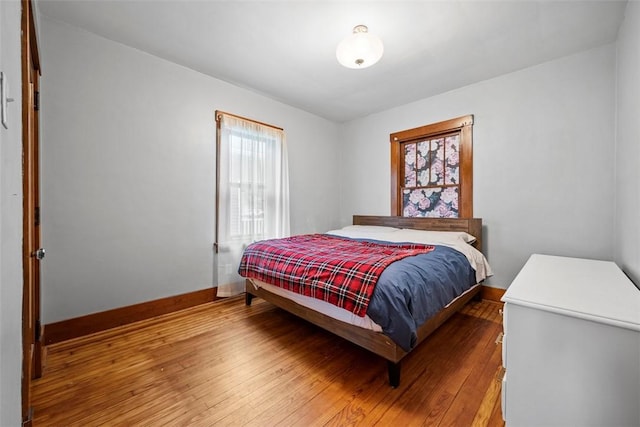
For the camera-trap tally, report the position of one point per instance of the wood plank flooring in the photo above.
(223, 363)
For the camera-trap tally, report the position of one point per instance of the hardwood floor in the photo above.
(223, 363)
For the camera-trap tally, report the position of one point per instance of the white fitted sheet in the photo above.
(320, 306)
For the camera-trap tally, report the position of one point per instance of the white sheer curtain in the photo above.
(253, 193)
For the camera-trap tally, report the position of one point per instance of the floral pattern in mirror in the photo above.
(410, 165)
(431, 202)
(432, 178)
(452, 148)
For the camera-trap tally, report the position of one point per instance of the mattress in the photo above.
(320, 306)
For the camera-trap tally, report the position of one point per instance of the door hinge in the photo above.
(36, 215)
(36, 100)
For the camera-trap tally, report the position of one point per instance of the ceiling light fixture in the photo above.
(360, 49)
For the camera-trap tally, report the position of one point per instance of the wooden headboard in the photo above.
(472, 226)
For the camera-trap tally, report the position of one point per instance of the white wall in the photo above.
(627, 206)
(128, 192)
(11, 221)
(543, 158)
(125, 200)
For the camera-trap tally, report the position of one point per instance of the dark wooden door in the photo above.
(32, 252)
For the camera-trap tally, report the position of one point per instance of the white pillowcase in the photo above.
(370, 228)
(458, 240)
(437, 236)
(365, 232)
(409, 234)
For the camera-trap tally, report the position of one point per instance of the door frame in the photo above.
(31, 324)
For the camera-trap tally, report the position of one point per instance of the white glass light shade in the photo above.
(360, 49)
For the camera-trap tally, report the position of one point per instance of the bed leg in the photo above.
(394, 373)
(247, 298)
(477, 297)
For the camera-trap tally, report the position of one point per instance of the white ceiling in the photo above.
(286, 49)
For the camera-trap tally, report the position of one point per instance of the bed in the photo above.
(372, 338)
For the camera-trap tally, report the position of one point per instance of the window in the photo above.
(252, 197)
(432, 170)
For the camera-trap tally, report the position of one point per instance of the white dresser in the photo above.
(571, 345)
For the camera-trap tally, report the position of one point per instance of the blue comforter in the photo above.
(412, 290)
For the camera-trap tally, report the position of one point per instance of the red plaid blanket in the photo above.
(337, 270)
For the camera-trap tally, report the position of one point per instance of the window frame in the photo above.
(462, 125)
(218, 118)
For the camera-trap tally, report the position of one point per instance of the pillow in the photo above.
(375, 232)
(403, 234)
(370, 228)
(436, 236)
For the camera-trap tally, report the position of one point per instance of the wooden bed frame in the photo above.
(377, 342)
